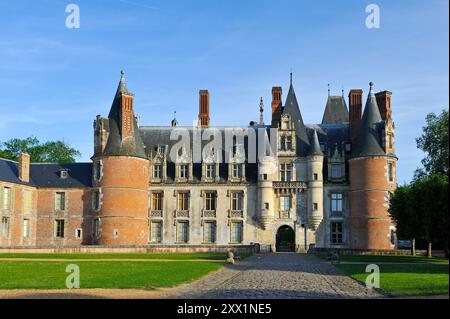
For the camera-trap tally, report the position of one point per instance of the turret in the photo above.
(372, 177)
(267, 173)
(121, 176)
(314, 161)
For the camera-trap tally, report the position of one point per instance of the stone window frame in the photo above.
(64, 208)
(94, 200)
(5, 227)
(161, 200)
(236, 222)
(98, 170)
(282, 172)
(59, 232)
(237, 157)
(187, 233)
(335, 233)
(332, 211)
(233, 193)
(214, 199)
(7, 205)
(188, 200)
(27, 201)
(214, 233)
(391, 171)
(76, 236)
(161, 235)
(26, 231)
(96, 228)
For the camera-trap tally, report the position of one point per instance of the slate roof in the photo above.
(115, 146)
(314, 148)
(292, 109)
(48, 174)
(368, 142)
(336, 111)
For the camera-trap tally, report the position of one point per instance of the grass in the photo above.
(172, 256)
(416, 276)
(97, 274)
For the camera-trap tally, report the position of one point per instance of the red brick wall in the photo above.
(369, 190)
(124, 186)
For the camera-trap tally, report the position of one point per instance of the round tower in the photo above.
(314, 162)
(371, 175)
(267, 173)
(121, 174)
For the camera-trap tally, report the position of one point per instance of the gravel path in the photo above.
(271, 276)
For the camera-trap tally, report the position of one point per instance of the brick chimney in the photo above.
(384, 104)
(24, 167)
(276, 105)
(203, 113)
(355, 106)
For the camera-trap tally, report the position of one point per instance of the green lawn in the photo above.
(416, 276)
(173, 256)
(96, 274)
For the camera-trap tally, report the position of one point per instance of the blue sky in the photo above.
(56, 80)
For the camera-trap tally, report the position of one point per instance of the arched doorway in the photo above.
(285, 241)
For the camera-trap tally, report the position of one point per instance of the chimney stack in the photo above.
(24, 167)
(203, 113)
(355, 106)
(384, 104)
(276, 105)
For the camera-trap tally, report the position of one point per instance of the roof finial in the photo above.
(174, 121)
(261, 111)
(371, 88)
(342, 91)
(291, 77)
(329, 89)
(122, 74)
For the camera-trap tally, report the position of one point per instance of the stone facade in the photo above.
(320, 183)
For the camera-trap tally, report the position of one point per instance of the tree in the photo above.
(49, 152)
(434, 142)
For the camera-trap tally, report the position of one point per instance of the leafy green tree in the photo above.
(434, 142)
(49, 152)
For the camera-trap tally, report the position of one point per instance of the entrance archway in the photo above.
(285, 241)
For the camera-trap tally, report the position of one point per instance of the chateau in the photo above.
(284, 185)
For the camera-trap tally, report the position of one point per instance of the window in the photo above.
(336, 171)
(59, 228)
(157, 201)
(5, 227)
(98, 171)
(391, 172)
(6, 198)
(26, 228)
(209, 232)
(210, 201)
(237, 170)
(182, 232)
(286, 143)
(336, 232)
(156, 232)
(184, 171)
(266, 205)
(95, 228)
(391, 140)
(315, 206)
(60, 201)
(285, 203)
(183, 201)
(316, 176)
(157, 171)
(78, 233)
(285, 172)
(27, 202)
(64, 174)
(96, 200)
(336, 202)
(236, 232)
(210, 171)
(236, 201)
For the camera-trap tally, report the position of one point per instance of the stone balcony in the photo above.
(288, 187)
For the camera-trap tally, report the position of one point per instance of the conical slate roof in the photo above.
(291, 107)
(314, 149)
(336, 111)
(115, 146)
(368, 141)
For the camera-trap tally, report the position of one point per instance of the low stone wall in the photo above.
(240, 249)
(346, 251)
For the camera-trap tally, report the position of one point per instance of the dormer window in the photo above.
(286, 143)
(336, 171)
(157, 171)
(184, 171)
(237, 170)
(63, 174)
(210, 171)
